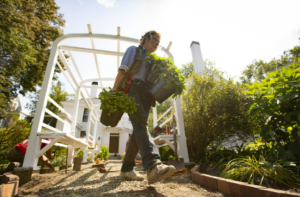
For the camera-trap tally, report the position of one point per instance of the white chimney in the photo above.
(197, 57)
(93, 93)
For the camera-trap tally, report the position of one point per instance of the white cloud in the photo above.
(106, 3)
(80, 1)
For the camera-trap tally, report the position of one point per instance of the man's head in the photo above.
(150, 41)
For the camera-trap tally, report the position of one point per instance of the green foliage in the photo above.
(277, 106)
(249, 168)
(258, 69)
(187, 69)
(214, 110)
(123, 156)
(166, 153)
(15, 132)
(27, 30)
(57, 93)
(104, 152)
(114, 100)
(58, 161)
(217, 156)
(166, 69)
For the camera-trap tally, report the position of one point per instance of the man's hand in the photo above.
(119, 78)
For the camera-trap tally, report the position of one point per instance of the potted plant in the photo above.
(164, 77)
(113, 105)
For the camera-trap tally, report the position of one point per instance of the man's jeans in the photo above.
(140, 139)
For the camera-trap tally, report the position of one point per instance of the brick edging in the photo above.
(235, 188)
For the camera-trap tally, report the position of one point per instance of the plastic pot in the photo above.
(159, 93)
(112, 119)
(150, 76)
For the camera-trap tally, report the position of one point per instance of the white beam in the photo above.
(87, 50)
(118, 47)
(95, 55)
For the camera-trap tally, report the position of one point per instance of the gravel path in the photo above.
(89, 182)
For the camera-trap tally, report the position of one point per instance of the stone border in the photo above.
(235, 188)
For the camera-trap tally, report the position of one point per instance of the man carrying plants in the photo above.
(133, 67)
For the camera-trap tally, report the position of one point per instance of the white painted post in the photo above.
(154, 116)
(70, 154)
(182, 146)
(94, 134)
(197, 57)
(75, 112)
(29, 160)
(85, 154)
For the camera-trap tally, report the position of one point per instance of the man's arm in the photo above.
(119, 78)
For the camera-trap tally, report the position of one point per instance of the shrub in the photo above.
(104, 152)
(276, 104)
(58, 161)
(213, 111)
(15, 132)
(166, 153)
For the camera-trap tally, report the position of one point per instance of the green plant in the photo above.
(215, 110)
(58, 161)
(114, 100)
(104, 152)
(123, 156)
(15, 132)
(249, 169)
(277, 106)
(166, 69)
(166, 153)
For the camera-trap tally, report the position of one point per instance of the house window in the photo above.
(82, 133)
(85, 116)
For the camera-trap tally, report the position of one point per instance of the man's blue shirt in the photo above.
(127, 62)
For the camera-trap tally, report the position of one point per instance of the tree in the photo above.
(15, 132)
(258, 69)
(188, 68)
(57, 93)
(27, 29)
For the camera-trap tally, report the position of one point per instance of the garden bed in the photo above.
(235, 188)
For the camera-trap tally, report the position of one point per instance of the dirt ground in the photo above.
(89, 182)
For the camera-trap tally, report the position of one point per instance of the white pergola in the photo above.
(81, 86)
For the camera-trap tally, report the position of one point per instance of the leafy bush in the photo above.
(213, 111)
(15, 132)
(166, 69)
(249, 168)
(58, 161)
(166, 153)
(277, 106)
(104, 152)
(114, 100)
(216, 156)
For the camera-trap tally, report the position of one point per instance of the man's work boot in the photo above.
(131, 176)
(160, 172)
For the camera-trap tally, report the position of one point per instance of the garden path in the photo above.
(89, 182)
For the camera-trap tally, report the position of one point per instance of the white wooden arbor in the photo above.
(79, 85)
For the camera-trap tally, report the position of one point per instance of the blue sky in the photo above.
(232, 33)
